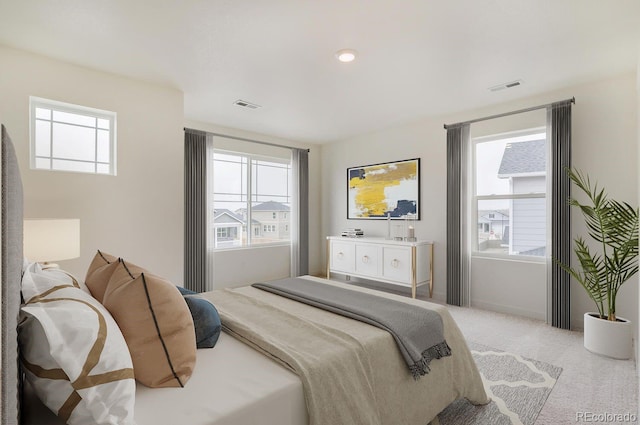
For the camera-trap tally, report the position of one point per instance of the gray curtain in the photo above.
(195, 210)
(559, 115)
(457, 214)
(300, 212)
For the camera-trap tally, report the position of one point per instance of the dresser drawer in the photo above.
(342, 256)
(396, 264)
(367, 260)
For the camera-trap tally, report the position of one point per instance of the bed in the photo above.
(245, 378)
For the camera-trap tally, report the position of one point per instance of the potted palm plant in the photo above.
(605, 265)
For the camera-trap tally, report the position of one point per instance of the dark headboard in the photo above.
(12, 257)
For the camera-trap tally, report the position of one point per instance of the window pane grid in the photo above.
(510, 195)
(67, 137)
(513, 196)
(92, 127)
(251, 190)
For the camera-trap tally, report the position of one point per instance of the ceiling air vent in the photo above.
(246, 104)
(508, 85)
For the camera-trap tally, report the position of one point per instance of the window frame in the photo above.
(222, 232)
(475, 198)
(252, 159)
(54, 105)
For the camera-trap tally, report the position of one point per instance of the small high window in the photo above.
(66, 137)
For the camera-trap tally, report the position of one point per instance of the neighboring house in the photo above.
(524, 164)
(227, 228)
(256, 228)
(275, 219)
(270, 223)
(493, 224)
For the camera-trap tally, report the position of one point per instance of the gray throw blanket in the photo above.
(418, 332)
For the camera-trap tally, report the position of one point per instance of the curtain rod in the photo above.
(506, 114)
(245, 140)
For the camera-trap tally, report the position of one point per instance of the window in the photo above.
(252, 189)
(270, 228)
(66, 137)
(510, 194)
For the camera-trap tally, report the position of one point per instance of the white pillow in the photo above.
(36, 280)
(74, 354)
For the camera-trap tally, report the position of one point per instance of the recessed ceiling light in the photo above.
(346, 55)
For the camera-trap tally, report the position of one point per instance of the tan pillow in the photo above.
(99, 273)
(156, 323)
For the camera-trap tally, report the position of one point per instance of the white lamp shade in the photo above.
(51, 239)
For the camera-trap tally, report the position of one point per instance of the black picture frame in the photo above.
(377, 191)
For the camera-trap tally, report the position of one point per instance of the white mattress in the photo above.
(232, 385)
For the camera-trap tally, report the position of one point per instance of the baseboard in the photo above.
(509, 310)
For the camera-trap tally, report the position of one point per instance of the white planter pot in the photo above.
(611, 339)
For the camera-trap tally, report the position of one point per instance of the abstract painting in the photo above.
(380, 190)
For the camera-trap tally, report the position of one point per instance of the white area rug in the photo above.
(518, 387)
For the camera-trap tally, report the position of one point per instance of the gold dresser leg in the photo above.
(414, 272)
(431, 271)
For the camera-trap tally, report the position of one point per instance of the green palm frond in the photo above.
(614, 226)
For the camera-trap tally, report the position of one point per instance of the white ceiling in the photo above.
(416, 57)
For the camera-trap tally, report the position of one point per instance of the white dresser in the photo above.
(402, 263)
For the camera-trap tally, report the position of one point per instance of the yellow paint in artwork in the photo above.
(370, 196)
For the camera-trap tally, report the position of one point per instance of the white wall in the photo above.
(137, 214)
(509, 286)
(236, 267)
(637, 283)
(604, 139)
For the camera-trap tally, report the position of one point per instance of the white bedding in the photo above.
(352, 372)
(232, 384)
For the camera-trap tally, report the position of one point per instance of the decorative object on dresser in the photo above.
(381, 191)
(404, 263)
(352, 233)
(410, 222)
(48, 240)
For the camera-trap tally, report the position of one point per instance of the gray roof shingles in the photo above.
(523, 157)
(270, 206)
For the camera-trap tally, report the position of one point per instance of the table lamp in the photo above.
(48, 240)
